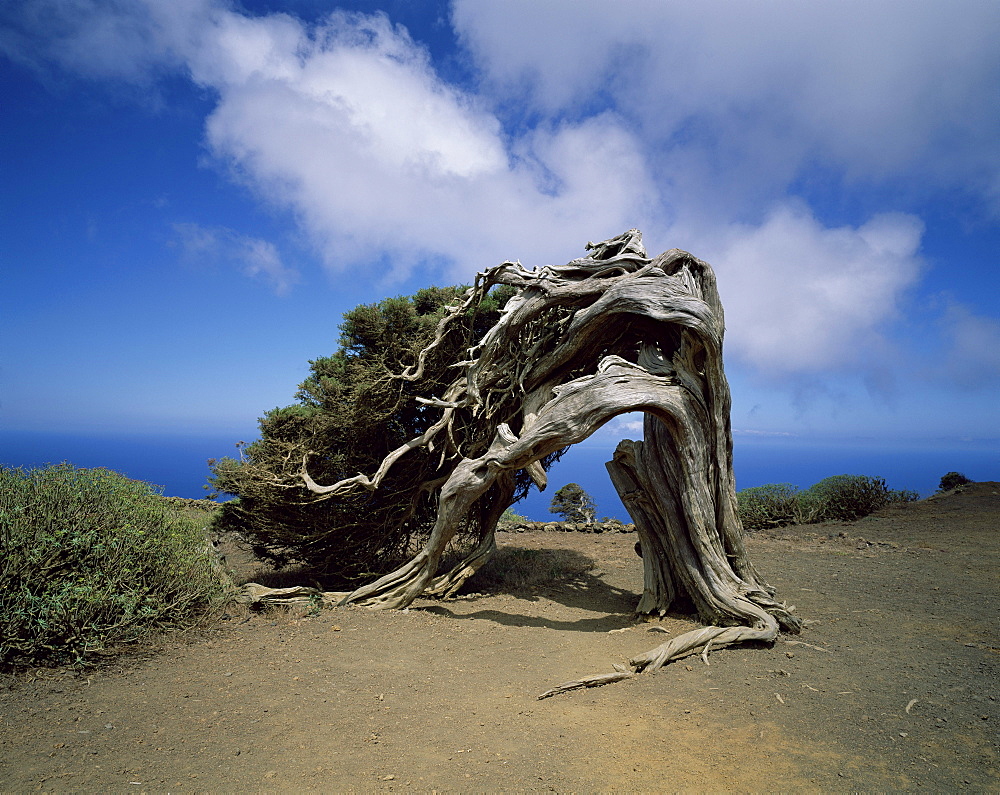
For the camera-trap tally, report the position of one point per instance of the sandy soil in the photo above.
(893, 685)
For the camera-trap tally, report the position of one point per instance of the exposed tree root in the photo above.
(448, 584)
(681, 646)
(398, 588)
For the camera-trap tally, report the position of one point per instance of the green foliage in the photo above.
(772, 505)
(838, 498)
(848, 497)
(952, 481)
(510, 518)
(90, 559)
(573, 504)
(351, 411)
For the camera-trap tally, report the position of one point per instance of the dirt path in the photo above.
(896, 689)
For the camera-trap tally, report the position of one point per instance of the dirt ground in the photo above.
(892, 686)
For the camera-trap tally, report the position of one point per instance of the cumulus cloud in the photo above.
(377, 155)
(801, 297)
(691, 121)
(750, 95)
(972, 354)
(347, 123)
(251, 256)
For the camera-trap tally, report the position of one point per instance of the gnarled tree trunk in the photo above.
(610, 333)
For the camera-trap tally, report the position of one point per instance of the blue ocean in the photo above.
(177, 463)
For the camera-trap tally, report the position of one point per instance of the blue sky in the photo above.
(195, 191)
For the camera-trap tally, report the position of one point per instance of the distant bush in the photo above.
(772, 505)
(91, 559)
(952, 481)
(838, 498)
(511, 518)
(848, 497)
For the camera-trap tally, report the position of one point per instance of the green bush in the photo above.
(91, 559)
(848, 497)
(767, 506)
(511, 518)
(838, 498)
(952, 481)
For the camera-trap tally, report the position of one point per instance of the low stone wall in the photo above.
(565, 527)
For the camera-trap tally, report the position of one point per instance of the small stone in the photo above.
(390, 777)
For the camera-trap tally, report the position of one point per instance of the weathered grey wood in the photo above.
(612, 332)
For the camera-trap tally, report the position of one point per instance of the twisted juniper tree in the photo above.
(612, 332)
(573, 504)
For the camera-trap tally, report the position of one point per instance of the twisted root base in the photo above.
(448, 584)
(394, 590)
(398, 588)
(654, 659)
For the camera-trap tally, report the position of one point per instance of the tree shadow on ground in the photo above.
(604, 623)
(557, 575)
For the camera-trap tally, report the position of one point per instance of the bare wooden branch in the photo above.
(578, 344)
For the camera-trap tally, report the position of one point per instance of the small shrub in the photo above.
(952, 481)
(90, 559)
(839, 498)
(903, 495)
(511, 519)
(848, 497)
(767, 506)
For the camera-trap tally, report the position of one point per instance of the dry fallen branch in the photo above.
(258, 595)
(588, 681)
(809, 645)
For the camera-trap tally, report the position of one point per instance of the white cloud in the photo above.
(801, 297)
(377, 155)
(700, 114)
(251, 256)
(347, 123)
(972, 355)
(747, 96)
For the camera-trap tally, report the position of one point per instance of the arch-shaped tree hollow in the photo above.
(612, 332)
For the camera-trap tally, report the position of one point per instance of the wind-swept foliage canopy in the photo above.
(349, 414)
